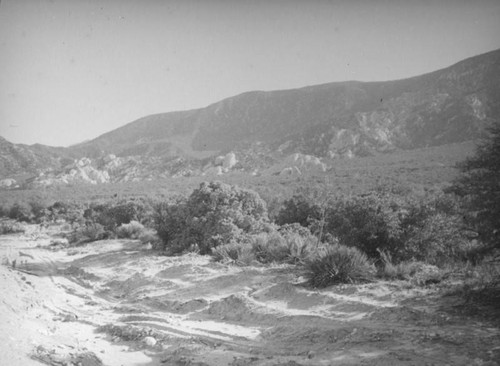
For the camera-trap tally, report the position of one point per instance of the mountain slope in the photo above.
(446, 106)
(20, 158)
(350, 118)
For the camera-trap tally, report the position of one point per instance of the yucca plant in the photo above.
(238, 253)
(300, 247)
(270, 247)
(337, 264)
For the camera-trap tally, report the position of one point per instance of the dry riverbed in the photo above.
(116, 303)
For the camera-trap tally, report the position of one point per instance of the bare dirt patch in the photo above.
(116, 303)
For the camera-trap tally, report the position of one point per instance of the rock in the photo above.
(7, 183)
(229, 161)
(219, 160)
(149, 341)
(297, 164)
(70, 317)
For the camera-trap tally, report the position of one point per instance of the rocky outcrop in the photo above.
(221, 164)
(8, 183)
(80, 171)
(297, 164)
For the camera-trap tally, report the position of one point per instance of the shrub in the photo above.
(20, 211)
(149, 236)
(11, 228)
(339, 264)
(88, 233)
(479, 183)
(171, 222)
(437, 239)
(299, 209)
(70, 212)
(132, 230)
(270, 247)
(213, 215)
(112, 215)
(418, 273)
(238, 253)
(39, 210)
(368, 222)
(425, 228)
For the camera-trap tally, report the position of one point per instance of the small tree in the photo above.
(480, 184)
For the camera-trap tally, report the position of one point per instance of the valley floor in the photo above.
(115, 303)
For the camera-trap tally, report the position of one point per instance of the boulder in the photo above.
(7, 183)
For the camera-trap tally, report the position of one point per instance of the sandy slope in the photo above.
(114, 303)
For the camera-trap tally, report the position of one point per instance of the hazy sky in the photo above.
(74, 69)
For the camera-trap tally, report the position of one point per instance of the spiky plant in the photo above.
(339, 264)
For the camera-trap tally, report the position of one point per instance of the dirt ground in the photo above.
(116, 303)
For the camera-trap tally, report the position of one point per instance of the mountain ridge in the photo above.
(330, 120)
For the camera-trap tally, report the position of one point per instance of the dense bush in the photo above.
(339, 264)
(21, 211)
(68, 211)
(299, 209)
(39, 211)
(132, 230)
(420, 227)
(111, 215)
(88, 233)
(480, 184)
(213, 215)
(11, 228)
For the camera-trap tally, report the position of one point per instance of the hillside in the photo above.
(446, 106)
(264, 129)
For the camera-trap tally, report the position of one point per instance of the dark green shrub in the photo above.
(438, 239)
(214, 214)
(39, 210)
(299, 209)
(479, 184)
(68, 211)
(88, 233)
(170, 220)
(20, 211)
(427, 228)
(337, 264)
(370, 223)
(111, 215)
(4, 212)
